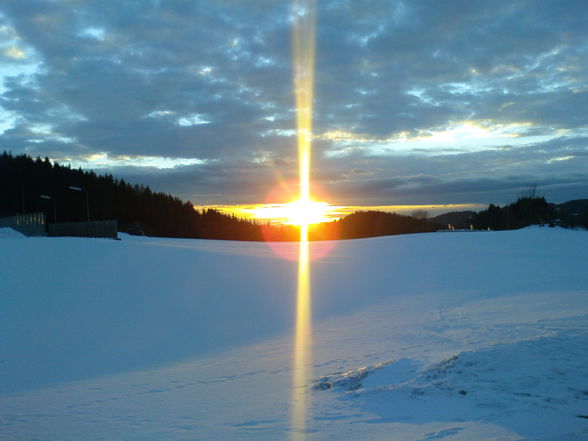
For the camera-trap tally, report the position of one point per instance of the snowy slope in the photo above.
(454, 336)
(9, 233)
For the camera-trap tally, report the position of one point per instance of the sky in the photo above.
(415, 102)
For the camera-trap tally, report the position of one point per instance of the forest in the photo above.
(531, 208)
(26, 183)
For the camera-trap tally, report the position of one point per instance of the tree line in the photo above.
(532, 209)
(138, 209)
(38, 185)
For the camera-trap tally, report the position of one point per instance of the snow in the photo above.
(453, 336)
(6, 232)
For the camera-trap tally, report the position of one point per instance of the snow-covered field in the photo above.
(453, 336)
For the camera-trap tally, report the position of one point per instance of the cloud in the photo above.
(211, 82)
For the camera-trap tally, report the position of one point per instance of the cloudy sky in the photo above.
(416, 102)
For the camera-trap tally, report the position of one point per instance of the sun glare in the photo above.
(300, 212)
(304, 211)
(307, 212)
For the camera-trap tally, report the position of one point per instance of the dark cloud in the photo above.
(491, 176)
(213, 81)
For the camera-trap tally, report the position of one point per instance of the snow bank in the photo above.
(9, 233)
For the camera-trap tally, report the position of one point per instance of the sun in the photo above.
(301, 212)
(306, 212)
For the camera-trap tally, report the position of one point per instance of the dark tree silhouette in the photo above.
(529, 209)
(370, 224)
(137, 208)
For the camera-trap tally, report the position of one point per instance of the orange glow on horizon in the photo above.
(298, 212)
(274, 214)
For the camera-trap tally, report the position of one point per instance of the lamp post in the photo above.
(71, 187)
(44, 196)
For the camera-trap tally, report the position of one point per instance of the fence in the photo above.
(30, 224)
(106, 228)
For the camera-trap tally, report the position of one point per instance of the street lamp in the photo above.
(71, 187)
(44, 196)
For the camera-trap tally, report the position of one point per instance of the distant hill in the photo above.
(574, 213)
(370, 224)
(458, 219)
(573, 208)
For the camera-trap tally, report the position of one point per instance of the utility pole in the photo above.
(71, 187)
(44, 196)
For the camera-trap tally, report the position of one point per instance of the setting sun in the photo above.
(299, 212)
